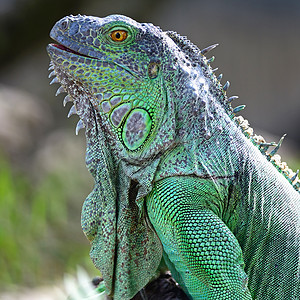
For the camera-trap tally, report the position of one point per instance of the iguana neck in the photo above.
(199, 102)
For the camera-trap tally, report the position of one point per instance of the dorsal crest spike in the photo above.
(232, 98)
(295, 176)
(220, 77)
(263, 147)
(238, 108)
(211, 60)
(226, 86)
(274, 151)
(209, 48)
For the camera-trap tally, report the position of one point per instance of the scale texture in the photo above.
(180, 180)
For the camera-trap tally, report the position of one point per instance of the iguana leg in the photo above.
(202, 253)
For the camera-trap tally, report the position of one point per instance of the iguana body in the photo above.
(176, 173)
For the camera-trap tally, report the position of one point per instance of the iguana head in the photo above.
(112, 69)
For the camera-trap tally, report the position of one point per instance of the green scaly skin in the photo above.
(177, 175)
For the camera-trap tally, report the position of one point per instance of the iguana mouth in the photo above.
(62, 47)
(66, 49)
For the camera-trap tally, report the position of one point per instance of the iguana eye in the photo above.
(119, 35)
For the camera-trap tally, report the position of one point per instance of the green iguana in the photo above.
(177, 175)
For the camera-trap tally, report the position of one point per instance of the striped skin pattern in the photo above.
(177, 175)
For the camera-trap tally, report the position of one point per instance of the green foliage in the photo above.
(39, 239)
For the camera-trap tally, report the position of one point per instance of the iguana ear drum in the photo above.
(136, 128)
(153, 69)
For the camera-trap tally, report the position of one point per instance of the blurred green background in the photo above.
(43, 180)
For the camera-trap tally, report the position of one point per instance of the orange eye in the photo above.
(119, 35)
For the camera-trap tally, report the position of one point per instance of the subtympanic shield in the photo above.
(136, 128)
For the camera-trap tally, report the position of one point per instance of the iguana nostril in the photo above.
(64, 25)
